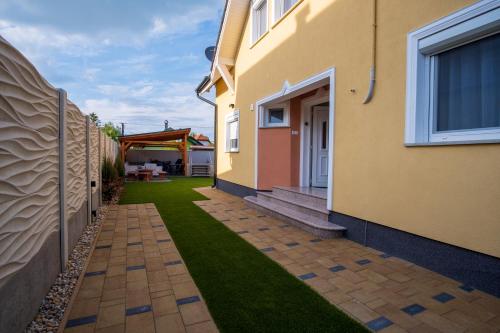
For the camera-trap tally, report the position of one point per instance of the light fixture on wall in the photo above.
(231, 106)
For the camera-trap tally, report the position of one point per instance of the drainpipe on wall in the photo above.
(371, 88)
(205, 80)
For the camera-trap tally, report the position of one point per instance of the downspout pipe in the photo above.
(371, 87)
(198, 90)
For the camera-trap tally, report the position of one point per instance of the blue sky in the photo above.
(136, 62)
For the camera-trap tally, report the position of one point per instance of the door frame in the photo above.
(289, 91)
(315, 153)
(307, 104)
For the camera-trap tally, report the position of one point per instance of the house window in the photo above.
(259, 19)
(275, 116)
(453, 88)
(233, 132)
(281, 7)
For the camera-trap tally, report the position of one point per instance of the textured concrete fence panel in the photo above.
(76, 181)
(44, 176)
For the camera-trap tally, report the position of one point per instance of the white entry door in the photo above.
(320, 146)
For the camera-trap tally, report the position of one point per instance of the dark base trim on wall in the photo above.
(22, 293)
(472, 268)
(235, 189)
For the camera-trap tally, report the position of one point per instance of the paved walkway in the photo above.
(385, 293)
(136, 280)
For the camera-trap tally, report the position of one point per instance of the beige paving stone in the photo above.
(141, 323)
(360, 311)
(84, 308)
(397, 316)
(439, 322)
(138, 297)
(115, 282)
(112, 329)
(113, 294)
(114, 270)
(111, 316)
(137, 275)
(164, 305)
(170, 323)
(194, 313)
(185, 289)
(205, 327)
(469, 322)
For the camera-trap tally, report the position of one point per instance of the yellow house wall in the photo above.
(447, 193)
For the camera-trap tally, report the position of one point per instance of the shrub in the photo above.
(120, 168)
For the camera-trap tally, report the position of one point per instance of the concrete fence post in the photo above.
(87, 169)
(100, 169)
(63, 230)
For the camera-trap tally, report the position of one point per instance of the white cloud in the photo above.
(159, 26)
(144, 107)
(89, 74)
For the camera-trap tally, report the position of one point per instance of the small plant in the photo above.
(109, 172)
(120, 168)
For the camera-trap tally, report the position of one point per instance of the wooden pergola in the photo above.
(170, 138)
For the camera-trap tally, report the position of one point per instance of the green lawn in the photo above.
(245, 290)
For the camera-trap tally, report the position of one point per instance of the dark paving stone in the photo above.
(413, 309)
(385, 255)
(81, 321)
(263, 229)
(466, 288)
(172, 263)
(188, 300)
(379, 323)
(134, 268)
(134, 243)
(292, 244)
(243, 218)
(261, 215)
(307, 276)
(97, 273)
(225, 220)
(158, 226)
(242, 232)
(137, 310)
(284, 226)
(337, 268)
(316, 240)
(363, 262)
(103, 247)
(267, 249)
(132, 228)
(444, 297)
(163, 240)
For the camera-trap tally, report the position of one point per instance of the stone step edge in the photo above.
(323, 225)
(283, 188)
(290, 201)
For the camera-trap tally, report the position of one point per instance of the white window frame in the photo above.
(255, 6)
(229, 119)
(264, 115)
(465, 26)
(279, 9)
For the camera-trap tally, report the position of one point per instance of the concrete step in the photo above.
(308, 197)
(291, 202)
(318, 227)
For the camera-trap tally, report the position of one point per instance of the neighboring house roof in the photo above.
(201, 137)
(232, 24)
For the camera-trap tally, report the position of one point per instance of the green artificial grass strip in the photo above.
(244, 290)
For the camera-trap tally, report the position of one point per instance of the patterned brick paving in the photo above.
(385, 293)
(136, 280)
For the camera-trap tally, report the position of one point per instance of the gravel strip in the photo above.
(51, 311)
